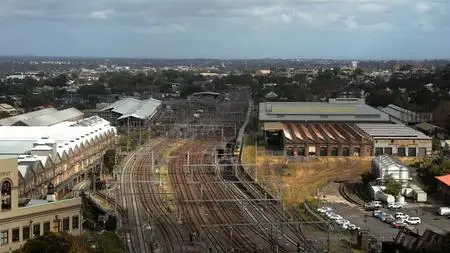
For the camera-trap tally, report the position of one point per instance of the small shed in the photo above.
(443, 186)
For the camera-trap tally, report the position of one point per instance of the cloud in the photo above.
(222, 22)
(103, 14)
(161, 29)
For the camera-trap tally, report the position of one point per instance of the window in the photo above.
(401, 152)
(412, 151)
(25, 233)
(66, 224)
(388, 151)
(37, 229)
(46, 227)
(15, 234)
(75, 222)
(378, 151)
(6, 195)
(4, 237)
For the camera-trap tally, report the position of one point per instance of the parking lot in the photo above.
(384, 231)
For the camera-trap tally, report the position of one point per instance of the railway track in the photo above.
(346, 196)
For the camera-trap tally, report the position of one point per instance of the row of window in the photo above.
(402, 151)
(35, 229)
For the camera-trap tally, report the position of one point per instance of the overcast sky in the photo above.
(348, 29)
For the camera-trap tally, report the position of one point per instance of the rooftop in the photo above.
(444, 179)
(17, 140)
(131, 107)
(392, 131)
(14, 119)
(335, 110)
(53, 118)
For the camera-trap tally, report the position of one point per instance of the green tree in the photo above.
(367, 177)
(393, 187)
(54, 242)
(109, 160)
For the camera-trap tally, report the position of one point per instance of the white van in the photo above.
(443, 211)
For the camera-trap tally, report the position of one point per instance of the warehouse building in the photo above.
(397, 140)
(21, 220)
(131, 112)
(385, 167)
(59, 154)
(340, 127)
(324, 139)
(44, 117)
(401, 115)
(349, 110)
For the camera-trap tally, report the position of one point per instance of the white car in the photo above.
(324, 210)
(376, 203)
(395, 205)
(339, 221)
(413, 220)
(401, 216)
(336, 217)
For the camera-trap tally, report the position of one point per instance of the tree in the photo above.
(106, 242)
(188, 89)
(109, 160)
(393, 187)
(53, 242)
(367, 177)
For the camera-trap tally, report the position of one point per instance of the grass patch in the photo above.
(302, 179)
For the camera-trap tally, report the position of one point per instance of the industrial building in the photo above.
(60, 154)
(131, 112)
(401, 115)
(324, 139)
(385, 167)
(44, 117)
(340, 127)
(443, 186)
(349, 110)
(397, 140)
(21, 220)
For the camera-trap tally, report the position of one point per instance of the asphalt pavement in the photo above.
(384, 231)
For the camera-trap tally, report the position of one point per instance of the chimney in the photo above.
(51, 196)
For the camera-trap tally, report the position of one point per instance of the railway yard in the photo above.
(185, 191)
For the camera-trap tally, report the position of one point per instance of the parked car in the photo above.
(395, 205)
(377, 213)
(370, 207)
(377, 204)
(413, 220)
(389, 219)
(398, 224)
(401, 216)
(324, 210)
(443, 211)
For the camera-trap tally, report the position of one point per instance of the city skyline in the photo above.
(309, 29)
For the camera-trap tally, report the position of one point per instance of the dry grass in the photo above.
(301, 179)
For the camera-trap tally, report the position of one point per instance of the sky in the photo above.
(332, 29)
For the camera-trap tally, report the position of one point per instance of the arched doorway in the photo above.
(334, 151)
(345, 151)
(323, 151)
(6, 195)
